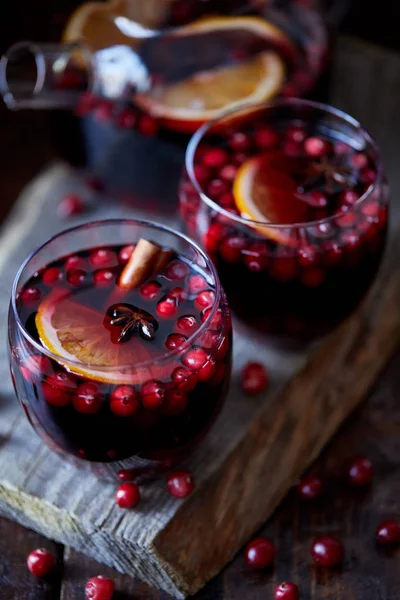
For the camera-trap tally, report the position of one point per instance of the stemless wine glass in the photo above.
(317, 174)
(140, 400)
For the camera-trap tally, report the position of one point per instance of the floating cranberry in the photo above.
(227, 201)
(88, 398)
(126, 474)
(187, 325)
(178, 293)
(341, 148)
(359, 160)
(150, 290)
(216, 319)
(316, 146)
(327, 551)
(103, 258)
(41, 562)
(126, 119)
(185, 379)
(124, 401)
(180, 484)
(63, 381)
(30, 296)
(308, 256)
(204, 299)
(74, 263)
(55, 396)
(361, 471)
(197, 283)
(215, 158)
(266, 138)
(127, 495)
(296, 133)
(370, 210)
(70, 206)
(76, 277)
(148, 126)
(202, 174)
(388, 533)
(287, 591)
(368, 176)
(52, 276)
(348, 197)
(347, 219)
(176, 401)
(125, 254)
(35, 367)
(254, 378)
(332, 253)
(310, 488)
(316, 199)
(240, 158)
(239, 141)
(210, 339)
(228, 172)
(195, 359)
(176, 270)
(167, 308)
(174, 341)
(232, 247)
(99, 588)
(259, 553)
(322, 231)
(313, 277)
(207, 371)
(216, 188)
(152, 394)
(103, 278)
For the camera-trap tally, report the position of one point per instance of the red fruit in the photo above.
(76, 277)
(231, 248)
(174, 341)
(103, 278)
(322, 231)
(176, 270)
(341, 148)
(368, 176)
(126, 474)
(195, 359)
(240, 158)
(327, 551)
(35, 367)
(287, 591)
(167, 308)
(55, 396)
(256, 257)
(292, 148)
(176, 401)
(219, 374)
(254, 378)
(316, 199)
(259, 553)
(63, 381)
(332, 254)
(308, 256)
(197, 283)
(126, 119)
(180, 484)
(316, 146)
(202, 174)
(75, 263)
(313, 277)
(104, 111)
(70, 206)
(126, 253)
(266, 138)
(370, 210)
(216, 188)
(99, 588)
(186, 325)
(52, 276)
(228, 172)
(127, 495)
(215, 157)
(227, 201)
(348, 197)
(388, 532)
(148, 126)
(216, 320)
(124, 401)
(30, 296)
(296, 133)
(359, 160)
(310, 488)
(361, 471)
(204, 299)
(178, 293)
(41, 562)
(103, 258)
(239, 141)
(152, 394)
(150, 290)
(207, 371)
(347, 219)
(210, 339)
(185, 379)
(88, 398)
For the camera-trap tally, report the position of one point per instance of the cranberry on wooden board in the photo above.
(327, 551)
(361, 471)
(388, 532)
(254, 378)
(70, 206)
(286, 591)
(259, 553)
(180, 483)
(99, 588)
(127, 495)
(310, 488)
(41, 562)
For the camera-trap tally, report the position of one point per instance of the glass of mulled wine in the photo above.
(291, 202)
(120, 346)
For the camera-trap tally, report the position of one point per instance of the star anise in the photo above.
(329, 174)
(130, 320)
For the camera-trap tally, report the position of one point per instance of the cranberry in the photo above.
(180, 484)
(185, 379)
(148, 126)
(216, 320)
(174, 341)
(124, 401)
(99, 588)
(75, 263)
(103, 258)
(227, 201)
(259, 553)
(76, 277)
(34, 367)
(360, 471)
(103, 278)
(167, 308)
(332, 254)
(368, 176)
(52, 276)
(341, 148)
(195, 359)
(316, 146)
(63, 381)
(292, 148)
(370, 210)
(316, 199)
(127, 495)
(388, 532)
(176, 401)
(266, 138)
(187, 324)
(348, 197)
(152, 394)
(296, 133)
(359, 160)
(176, 270)
(219, 374)
(207, 371)
(327, 551)
(202, 174)
(215, 157)
(347, 219)
(150, 290)
(125, 254)
(126, 474)
(197, 283)
(254, 378)
(310, 488)
(228, 172)
(70, 206)
(204, 299)
(30, 296)
(239, 141)
(126, 119)
(88, 398)
(210, 339)
(231, 248)
(211, 240)
(308, 256)
(178, 293)
(313, 277)
(55, 396)
(104, 111)
(240, 158)
(216, 188)
(287, 591)
(41, 562)
(322, 231)
(223, 348)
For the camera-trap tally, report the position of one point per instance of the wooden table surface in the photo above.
(367, 573)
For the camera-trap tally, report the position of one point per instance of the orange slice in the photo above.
(265, 190)
(76, 333)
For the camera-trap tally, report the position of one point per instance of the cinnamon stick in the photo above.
(147, 259)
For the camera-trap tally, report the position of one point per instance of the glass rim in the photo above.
(290, 102)
(168, 355)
